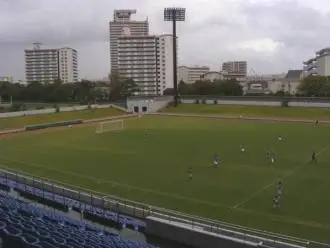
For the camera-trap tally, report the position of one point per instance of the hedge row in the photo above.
(52, 124)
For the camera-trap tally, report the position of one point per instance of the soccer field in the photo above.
(148, 162)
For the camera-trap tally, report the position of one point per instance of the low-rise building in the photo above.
(272, 84)
(235, 69)
(211, 76)
(5, 79)
(191, 74)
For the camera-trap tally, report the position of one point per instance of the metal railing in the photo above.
(257, 98)
(142, 211)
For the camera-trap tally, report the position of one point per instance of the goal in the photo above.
(109, 126)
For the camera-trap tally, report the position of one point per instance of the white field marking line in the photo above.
(285, 175)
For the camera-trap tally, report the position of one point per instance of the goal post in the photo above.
(110, 126)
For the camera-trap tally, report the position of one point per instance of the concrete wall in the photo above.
(192, 237)
(273, 103)
(236, 102)
(52, 110)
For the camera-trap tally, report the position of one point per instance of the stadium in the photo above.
(104, 176)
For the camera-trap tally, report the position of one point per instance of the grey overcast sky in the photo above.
(273, 35)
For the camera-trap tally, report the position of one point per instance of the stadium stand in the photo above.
(92, 211)
(24, 225)
(103, 211)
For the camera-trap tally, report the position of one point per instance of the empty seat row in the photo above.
(124, 221)
(22, 224)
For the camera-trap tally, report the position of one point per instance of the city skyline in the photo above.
(272, 36)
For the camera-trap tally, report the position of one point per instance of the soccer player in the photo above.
(314, 157)
(216, 160)
(190, 173)
(279, 188)
(275, 202)
(272, 157)
(279, 138)
(242, 148)
(316, 122)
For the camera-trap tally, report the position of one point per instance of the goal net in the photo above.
(109, 126)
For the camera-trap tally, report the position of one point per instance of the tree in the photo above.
(315, 86)
(169, 92)
(202, 87)
(123, 88)
(228, 87)
(128, 87)
(114, 79)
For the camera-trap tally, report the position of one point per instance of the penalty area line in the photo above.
(285, 175)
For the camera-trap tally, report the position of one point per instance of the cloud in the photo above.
(272, 35)
(266, 46)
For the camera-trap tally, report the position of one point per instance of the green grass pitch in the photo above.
(151, 167)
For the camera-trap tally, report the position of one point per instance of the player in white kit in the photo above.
(216, 160)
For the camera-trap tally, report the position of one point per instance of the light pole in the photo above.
(175, 15)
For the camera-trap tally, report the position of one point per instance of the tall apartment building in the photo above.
(166, 62)
(122, 25)
(48, 65)
(319, 65)
(191, 74)
(148, 61)
(68, 65)
(234, 68)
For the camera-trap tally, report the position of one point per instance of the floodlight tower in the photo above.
(175, 15)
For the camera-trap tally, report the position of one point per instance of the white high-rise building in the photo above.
(47, 65)
(41, 64)
(138, 60)
(166, 62)
(122, 25)
(319, 65)
(148, 60)
(68, 65)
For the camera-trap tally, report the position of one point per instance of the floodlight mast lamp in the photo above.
(175, 15)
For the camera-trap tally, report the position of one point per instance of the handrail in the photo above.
(263, 97)
(195, 221)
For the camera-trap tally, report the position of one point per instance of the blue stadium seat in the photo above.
(24, 225)
(124, 221)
